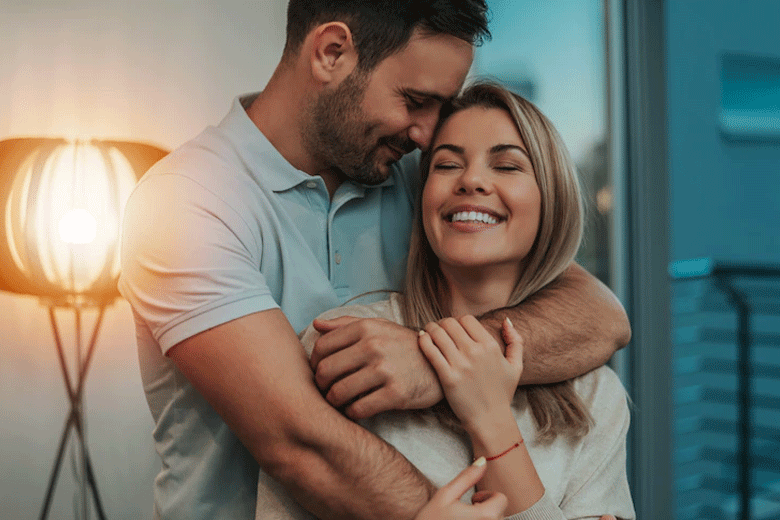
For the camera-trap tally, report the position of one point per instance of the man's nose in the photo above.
(421, 131)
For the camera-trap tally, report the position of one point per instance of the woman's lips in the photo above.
(470, 219)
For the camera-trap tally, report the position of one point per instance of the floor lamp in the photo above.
(61, 208)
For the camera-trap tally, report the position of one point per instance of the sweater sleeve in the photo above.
(599, 484)
(544, 509)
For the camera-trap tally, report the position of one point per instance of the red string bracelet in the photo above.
(515, 445)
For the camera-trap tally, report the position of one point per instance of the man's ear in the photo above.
(333, 53)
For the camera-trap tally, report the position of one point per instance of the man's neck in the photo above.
(279, 113)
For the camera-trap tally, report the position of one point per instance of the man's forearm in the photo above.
(570, 327)
(339, 470)
(332, 466)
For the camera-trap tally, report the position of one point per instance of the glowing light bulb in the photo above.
(78, 226)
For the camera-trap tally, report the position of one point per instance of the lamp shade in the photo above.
(61, 205)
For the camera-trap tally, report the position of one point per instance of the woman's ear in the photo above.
(333, 53)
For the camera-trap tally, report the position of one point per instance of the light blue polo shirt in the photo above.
(223, 227)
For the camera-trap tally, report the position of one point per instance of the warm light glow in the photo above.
(604, 200)
(77, 226)
(74, 192)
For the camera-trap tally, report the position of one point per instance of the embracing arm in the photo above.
(369, 366)
(263, 388)
(570, 327)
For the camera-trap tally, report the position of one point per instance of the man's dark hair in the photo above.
(381, 28)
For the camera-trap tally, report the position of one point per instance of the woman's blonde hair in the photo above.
(556, 408)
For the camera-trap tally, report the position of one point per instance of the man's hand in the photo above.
(371, 366)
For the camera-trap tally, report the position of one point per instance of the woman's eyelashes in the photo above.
(508, 168)
(503, 167)
(449, 165)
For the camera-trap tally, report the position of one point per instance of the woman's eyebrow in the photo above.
(505, 147)
(450, 147)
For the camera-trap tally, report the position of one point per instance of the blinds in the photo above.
(726, 335)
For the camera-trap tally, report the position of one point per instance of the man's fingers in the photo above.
(352, 386)
(338, 338)
(465, 480)
(608, 517)
(324, 326)
(370, 404)
(336, 366)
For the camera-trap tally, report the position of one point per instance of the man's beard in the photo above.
(340, 136)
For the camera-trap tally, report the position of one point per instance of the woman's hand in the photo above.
(478, 379)
(445, 504)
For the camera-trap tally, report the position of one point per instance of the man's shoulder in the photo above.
(206, 152)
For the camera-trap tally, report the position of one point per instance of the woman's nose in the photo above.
(473, 180)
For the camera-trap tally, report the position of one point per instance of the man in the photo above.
(296, 202)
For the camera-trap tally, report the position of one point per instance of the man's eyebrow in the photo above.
(504, 147)
(450, 147)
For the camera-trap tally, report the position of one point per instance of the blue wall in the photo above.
(725, 189)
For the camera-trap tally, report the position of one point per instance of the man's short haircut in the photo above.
(381, 28)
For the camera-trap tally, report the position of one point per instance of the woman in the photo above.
(500, 217)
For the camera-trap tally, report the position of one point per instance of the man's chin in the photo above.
(377, 175)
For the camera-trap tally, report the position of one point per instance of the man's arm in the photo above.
(263, 388)
(570, 327)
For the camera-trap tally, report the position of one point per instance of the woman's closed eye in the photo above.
(448, 165)
(508, 167)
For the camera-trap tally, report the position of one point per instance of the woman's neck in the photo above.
(477, 291)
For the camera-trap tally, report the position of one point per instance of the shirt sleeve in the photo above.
(189, 261)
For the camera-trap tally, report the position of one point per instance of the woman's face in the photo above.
(481, 204)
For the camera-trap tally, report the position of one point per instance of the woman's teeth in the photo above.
(467, 216)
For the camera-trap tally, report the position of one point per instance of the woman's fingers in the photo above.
(491, 504)
(465, 480)
(476, 330)
(433, 354)
(455, 330)
(443, 341)
(446, 504)
(514, 344)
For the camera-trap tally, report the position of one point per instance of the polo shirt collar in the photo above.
(254, 148)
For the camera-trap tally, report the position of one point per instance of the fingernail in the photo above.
(480, 462)
(508, 321)
(421, 333)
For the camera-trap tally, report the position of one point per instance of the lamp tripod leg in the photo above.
(75, 418)
(57, 464)
(89, 473)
